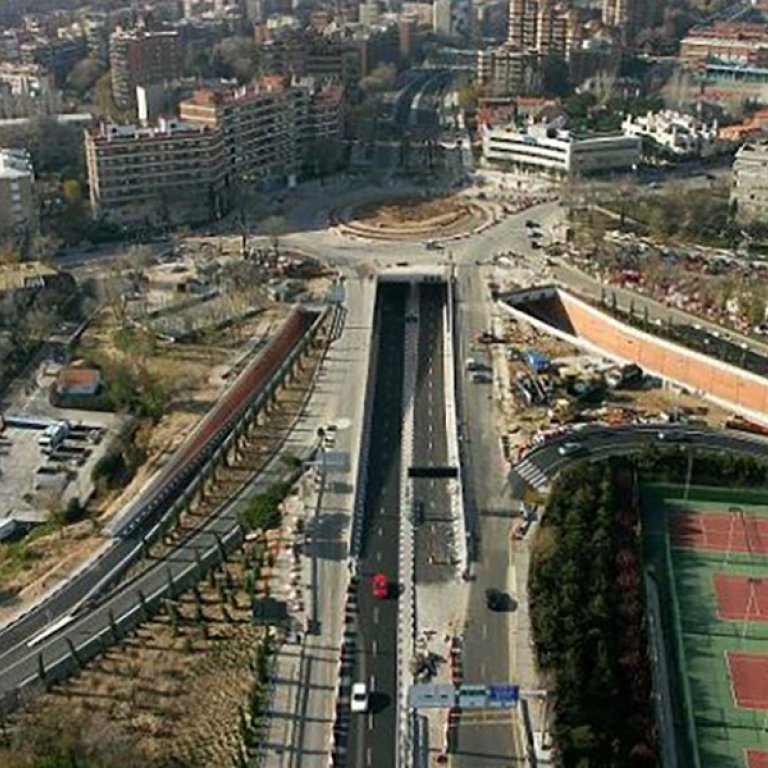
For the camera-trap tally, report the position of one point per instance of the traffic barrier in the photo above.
(456, 487)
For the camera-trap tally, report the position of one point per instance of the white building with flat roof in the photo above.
(677, 133)
(557, 151)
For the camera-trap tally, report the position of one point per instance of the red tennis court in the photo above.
(749, 672)
(741, 598)
(757, 759)
(733, 532)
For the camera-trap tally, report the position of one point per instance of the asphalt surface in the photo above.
(432, 504)
(486, 649)
(601, 442)
(372, 736)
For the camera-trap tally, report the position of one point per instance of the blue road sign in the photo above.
(503, 696)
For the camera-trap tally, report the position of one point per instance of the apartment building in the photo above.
(733, 43)
(749, 193)
(142, 57)
(505, 71)
(547, 27)
(166, 174)
(545, 149)
(17, 181)
(262, 125)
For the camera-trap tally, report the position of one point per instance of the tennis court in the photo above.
(710, 551)
(741, 598)
(757, 759)
(734, 532)
(749, 673)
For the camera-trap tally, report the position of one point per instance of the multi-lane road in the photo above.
(372, 741)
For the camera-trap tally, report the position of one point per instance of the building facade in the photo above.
(729, 43)
(17, 201)
(167, 174)
(545, 149)
(749, 193)
(142, 57)
(225, 142)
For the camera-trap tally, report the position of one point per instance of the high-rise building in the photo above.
(17, 180)
(543, 26)
(142, 57)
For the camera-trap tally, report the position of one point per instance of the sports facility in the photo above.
(708, 551)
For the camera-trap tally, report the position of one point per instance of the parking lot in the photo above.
(47, 454)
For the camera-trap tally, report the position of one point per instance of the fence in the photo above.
(679, 642)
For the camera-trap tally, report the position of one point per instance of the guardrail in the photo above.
(65, 663)
(406, 624)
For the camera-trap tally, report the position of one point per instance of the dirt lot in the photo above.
(175, 690)
(409, 210)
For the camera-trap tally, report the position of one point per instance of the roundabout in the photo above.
(411, 218)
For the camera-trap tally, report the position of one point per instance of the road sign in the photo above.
(472, 696)
(503, 696)
(434, 696)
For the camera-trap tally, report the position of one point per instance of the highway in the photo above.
(372, 737)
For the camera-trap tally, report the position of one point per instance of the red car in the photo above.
(380, 586)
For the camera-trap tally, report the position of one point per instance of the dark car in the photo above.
(494, 599)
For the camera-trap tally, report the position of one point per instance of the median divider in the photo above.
(456, 488)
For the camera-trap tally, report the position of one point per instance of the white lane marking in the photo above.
(375, 614)
(374, 646)
(372, 684)
(378, 556)
(485, 631)
(368, 756)
(380, 531)
(370, 722)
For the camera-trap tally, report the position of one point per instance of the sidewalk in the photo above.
(307, 669)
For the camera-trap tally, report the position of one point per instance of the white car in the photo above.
(569, 449)
(359, 702)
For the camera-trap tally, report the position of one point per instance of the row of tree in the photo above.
(588, 619)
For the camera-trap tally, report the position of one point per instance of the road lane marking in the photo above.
(485, 631)
(375, 614)
(378, 556)
(374, 646)
(368, 756)
(370, 722)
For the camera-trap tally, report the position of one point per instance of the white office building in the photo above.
(557, 151)
(677, 133)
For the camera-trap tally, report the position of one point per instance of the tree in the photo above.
(236, 57)
(84, 76)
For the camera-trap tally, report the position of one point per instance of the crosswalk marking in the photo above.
(532, 474)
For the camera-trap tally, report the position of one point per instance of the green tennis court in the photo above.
(707, 551)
